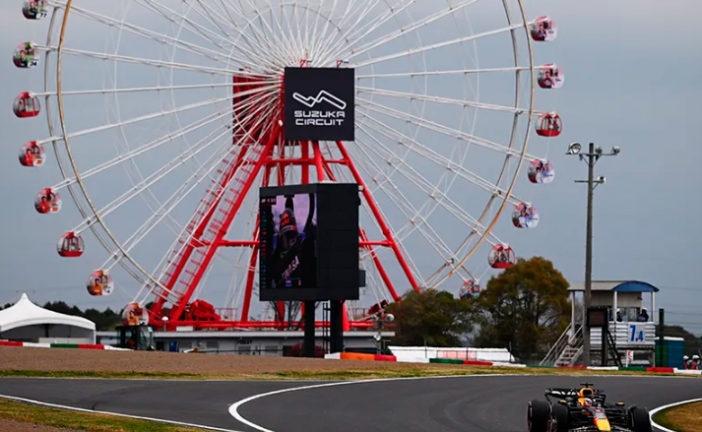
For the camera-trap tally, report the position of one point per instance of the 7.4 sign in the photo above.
(319, 104)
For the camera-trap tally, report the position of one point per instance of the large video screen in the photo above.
(288, 231)
(309, 242)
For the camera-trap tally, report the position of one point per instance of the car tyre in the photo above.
(639, 420)
(538, 416)
(560, 413)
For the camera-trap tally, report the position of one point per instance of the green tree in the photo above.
(434, 318)
(104, 320)
(524, 309)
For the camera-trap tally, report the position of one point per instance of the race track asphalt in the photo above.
(472, 403)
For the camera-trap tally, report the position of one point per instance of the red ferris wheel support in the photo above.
(259, 146)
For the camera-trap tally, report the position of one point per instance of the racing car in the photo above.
(584, 409)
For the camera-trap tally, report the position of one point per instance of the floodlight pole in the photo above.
(591, 158)
(588, 254)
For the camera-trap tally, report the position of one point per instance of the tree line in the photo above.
(524, 309)
(104, 320)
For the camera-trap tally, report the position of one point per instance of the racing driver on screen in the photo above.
(294, 260)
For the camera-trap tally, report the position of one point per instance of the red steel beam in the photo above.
(376, 212)
(265, 154)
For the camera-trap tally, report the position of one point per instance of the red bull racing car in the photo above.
(584, 410)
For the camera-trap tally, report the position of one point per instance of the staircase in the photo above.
(567, 349)
(570, 355)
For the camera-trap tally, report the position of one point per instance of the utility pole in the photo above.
(590, 158)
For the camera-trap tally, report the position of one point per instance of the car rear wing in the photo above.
(570, 393)
(560, 393)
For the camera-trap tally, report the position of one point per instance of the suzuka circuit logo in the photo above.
(320, 118)
(319, 104)
(323, 96)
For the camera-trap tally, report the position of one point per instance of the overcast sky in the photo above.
(633, 70)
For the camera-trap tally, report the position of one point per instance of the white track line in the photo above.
(661, 408)
(66, 407)
(234, 408)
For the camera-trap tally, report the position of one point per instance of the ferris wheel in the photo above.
(165, 117)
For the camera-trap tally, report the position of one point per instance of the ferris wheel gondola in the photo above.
(31, 154)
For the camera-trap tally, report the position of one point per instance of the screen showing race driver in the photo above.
(289, 231)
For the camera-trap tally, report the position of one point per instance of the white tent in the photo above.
(28, 322)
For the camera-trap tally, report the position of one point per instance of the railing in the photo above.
(564, 341)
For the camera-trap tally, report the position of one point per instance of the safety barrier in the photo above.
(458, 361)
(61, 345)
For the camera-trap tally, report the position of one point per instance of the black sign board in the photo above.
(309, 242)
(319, 104)
(597, 317)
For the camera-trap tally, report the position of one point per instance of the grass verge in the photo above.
(683, 418)
(95, 374)
(59, 418)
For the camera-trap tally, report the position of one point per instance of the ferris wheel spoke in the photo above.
(434, 193)
(254, 53)
(138, 151)
(154, 36)
(159, 289)
(269, 38)
(436, 46)
(441, 100)
(358, 30)
(297, 41)
(417, 25)
(208, 205)
(183, 192)
(148, 117)
(195, 28)
(258, 99)
(149, 62)
(311, 38)
(401, 201)
(181, 19)
(379, 216)
(211, 18)
(154, 88)
(438, 128)
(441, 198)
(155, 177)
(288, 23)
(257, 33)
(431, 73)
(149, 181)
(431, 155)
(322, 41)
(319, 36)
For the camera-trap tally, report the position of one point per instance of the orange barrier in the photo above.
(357, 356)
